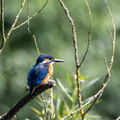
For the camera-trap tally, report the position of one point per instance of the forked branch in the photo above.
(32, 16)
(16, 19)
(74, 36)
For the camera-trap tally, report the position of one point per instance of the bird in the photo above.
(41, 72)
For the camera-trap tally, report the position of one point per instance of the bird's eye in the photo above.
(52, 59)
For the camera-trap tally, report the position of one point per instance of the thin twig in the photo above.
(41, 98)
(111, 34)
(16, 19)
(52, 108)
(76, 111)
(32, 16)
(89, 34)
(2, 26)
(36, 45)
(28, 23)
(74, 36)
(28, 12)
(114, 35)
(89, 38)
(108, 75)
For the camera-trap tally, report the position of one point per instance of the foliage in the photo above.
(65, 100)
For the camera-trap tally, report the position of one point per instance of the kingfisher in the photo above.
(41, 72)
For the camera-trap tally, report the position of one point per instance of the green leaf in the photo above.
(64, 90)
(69, 80)
(58, 103)
(35, 110)
(40, 103)
(91, 83)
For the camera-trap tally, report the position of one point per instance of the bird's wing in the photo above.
(36, 74)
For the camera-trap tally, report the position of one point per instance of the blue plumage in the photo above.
(36, 74)
(41, 72)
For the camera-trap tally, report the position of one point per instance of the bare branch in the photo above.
(76, 111)
(28, 12)
(2, 26)
(36, 44)
(27, 99)
(28, 23)
(52, 107)
(108, 75)
(89, 34)
(32, 16)
(114, 35)
(75, 53)
(16, 19)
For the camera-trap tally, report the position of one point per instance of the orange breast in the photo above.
(50, 72)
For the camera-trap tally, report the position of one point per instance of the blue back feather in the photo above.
(36, 74)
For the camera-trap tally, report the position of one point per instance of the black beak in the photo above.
(58, 60)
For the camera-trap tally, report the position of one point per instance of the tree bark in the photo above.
(17, 107)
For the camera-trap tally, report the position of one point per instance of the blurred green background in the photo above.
(53, 33)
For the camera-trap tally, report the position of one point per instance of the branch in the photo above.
(108, 75)
(114, 35)
(2, 25)
(31, 16)
(52, 107)
(16, 19)
(28, 23)
(89, 34)
(75, 53)
(36, 44)
(27, 99)
(74, 112)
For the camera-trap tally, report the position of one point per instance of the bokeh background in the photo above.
(53, 33)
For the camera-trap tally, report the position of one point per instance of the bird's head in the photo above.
(45, 58)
